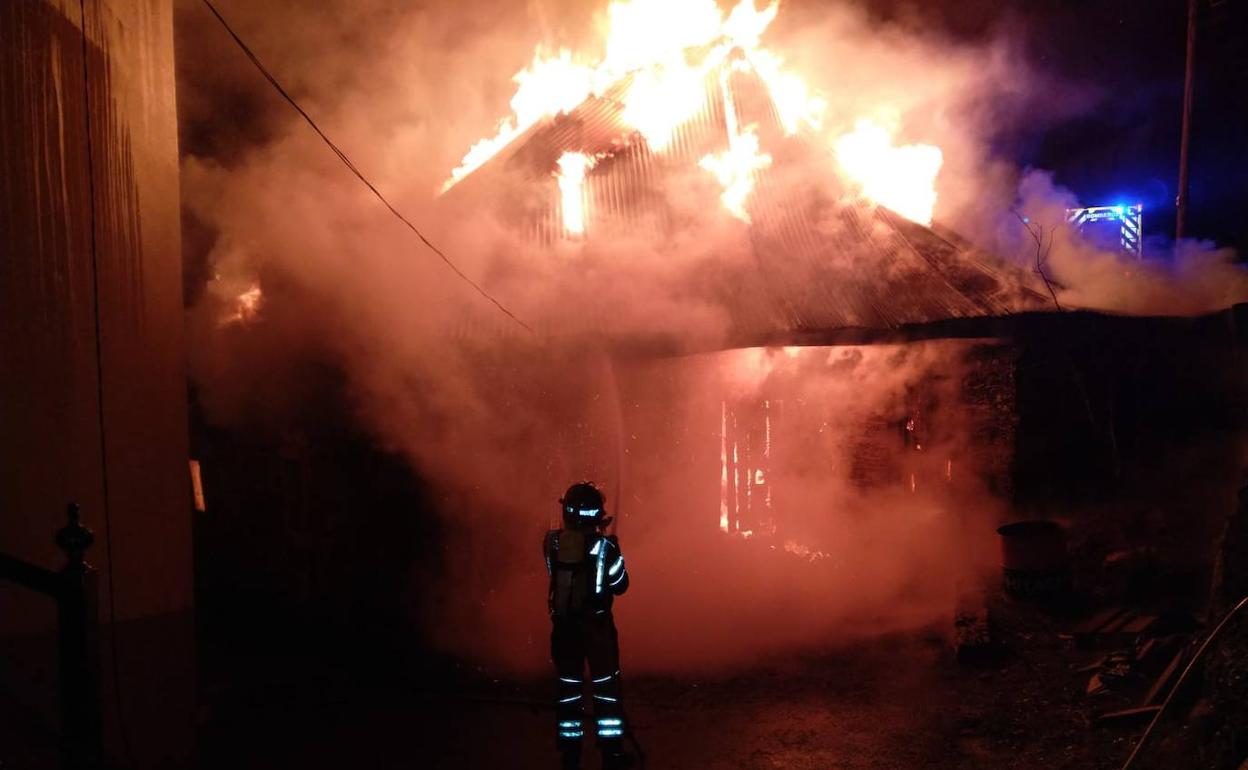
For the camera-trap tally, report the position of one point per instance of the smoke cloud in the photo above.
(1188, 278)
(501, 421)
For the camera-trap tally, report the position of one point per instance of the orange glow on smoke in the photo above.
(665, 50)
(571, 175)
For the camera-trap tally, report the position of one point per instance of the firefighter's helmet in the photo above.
(583, 505)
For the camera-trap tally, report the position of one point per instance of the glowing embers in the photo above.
(572, 199)
(804, 551)
(901, 178)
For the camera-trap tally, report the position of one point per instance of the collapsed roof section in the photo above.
(822, 266)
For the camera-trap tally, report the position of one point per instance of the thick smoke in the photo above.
(500, 420)
(1189, 278)
(864, 536)
(869, 537)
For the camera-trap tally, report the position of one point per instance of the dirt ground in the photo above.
(900, 702)
(826, 712)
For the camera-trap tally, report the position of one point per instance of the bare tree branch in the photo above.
(1037, 234)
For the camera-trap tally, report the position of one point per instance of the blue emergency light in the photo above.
(1117, 227)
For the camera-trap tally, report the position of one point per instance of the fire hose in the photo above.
(1200, 651)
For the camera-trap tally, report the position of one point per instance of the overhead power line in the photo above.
(342, 156)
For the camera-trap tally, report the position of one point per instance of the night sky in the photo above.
(1125, 149)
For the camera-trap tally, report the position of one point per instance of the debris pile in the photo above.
(1142, 656)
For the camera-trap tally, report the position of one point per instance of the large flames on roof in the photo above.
(664, 50)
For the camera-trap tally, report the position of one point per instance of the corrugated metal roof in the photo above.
(819, 265)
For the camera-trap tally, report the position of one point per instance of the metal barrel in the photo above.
(1033, 559)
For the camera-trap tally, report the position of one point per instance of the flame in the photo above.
(646, 33)
(735, 170)
(795, 104)
(549, 86)
(571, 176)
(246, 306)
(901, 178)
(482, 151)
(746, 24)
(660, 99)
(651, 41)
(660, 53)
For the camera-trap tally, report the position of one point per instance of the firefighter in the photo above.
(586, 573)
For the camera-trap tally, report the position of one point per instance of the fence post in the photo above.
(79, 640)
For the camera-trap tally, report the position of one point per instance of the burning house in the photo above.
(827, 249)
(808, 399)
(736, 311)
(865, 363)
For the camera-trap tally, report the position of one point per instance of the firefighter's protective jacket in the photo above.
(586, 572)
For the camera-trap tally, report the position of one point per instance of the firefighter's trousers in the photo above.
(573, 643)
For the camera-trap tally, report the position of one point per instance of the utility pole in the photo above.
(1180, 202)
